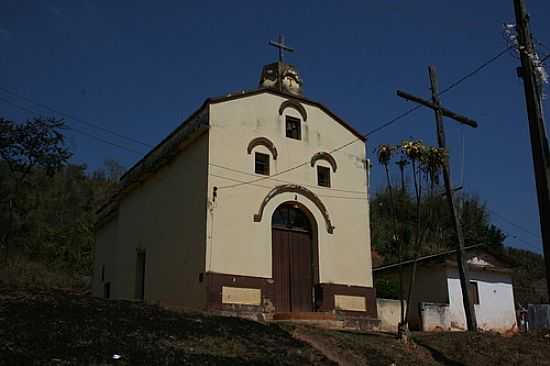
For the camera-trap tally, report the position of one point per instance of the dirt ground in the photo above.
(63, 327)
(56, 327)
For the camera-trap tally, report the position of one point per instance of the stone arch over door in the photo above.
(302, 191)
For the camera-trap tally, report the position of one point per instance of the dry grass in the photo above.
(23, 272)
(54, 327)
(61, 327)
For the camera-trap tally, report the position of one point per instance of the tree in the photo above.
(425, 163)
(36, 144)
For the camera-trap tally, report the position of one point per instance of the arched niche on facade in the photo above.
(263, 141)
(289, 103)
(294, 188)
(324, 156)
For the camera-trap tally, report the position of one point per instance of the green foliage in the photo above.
(387, 288)
(528, 276)
(47, 207)
(57, 219)
(37, 144)
(439, 235)
(385, 153)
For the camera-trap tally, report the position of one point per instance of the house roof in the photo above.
(187, 132)
(442, 258)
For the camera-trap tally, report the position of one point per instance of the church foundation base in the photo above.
(350, 307)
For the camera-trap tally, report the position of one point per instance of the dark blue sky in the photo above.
(140, 67)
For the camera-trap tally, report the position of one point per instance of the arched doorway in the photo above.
(294, 258)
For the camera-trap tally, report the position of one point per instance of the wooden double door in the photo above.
(292, 263)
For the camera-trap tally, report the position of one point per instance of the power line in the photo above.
(475, 71)
(384, 125)
(268, 187)
(503, 218)
(286, 181)
(76, 119)
(529, 244)
(84, 133)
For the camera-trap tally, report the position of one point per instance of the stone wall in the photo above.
(389, 314)
(435, 317)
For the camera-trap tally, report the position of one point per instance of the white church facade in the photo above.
(245, 207)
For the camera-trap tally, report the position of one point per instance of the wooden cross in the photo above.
(280, 44)
(440, 112)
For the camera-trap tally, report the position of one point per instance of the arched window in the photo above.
(323, 173)
(261, 160)
(290, 216)
(293, 127)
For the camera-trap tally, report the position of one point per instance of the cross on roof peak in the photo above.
(280, 44)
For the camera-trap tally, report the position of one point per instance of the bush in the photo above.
(387, 289)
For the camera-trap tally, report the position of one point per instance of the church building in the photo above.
(256, 203)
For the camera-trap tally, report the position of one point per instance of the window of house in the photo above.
(323, 176)
(474, 292)
(261, 164)
(102, 273)
(293, 128)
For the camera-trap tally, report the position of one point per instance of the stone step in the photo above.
(326, 324)
(305, 316)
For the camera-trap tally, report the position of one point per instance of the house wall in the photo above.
(495, 311)
(238, 245)
(166, 217)
(430, 286)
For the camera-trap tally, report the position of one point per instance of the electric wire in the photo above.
(529, 244)
(286, 181)
(384, 125)
(72, 128)
(503, 218)
(75, 119)
(268, 187)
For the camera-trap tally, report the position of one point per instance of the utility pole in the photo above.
(539, 141)
(439, 113)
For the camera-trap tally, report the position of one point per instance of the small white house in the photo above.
(437, 296)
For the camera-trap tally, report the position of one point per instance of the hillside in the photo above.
(63, 327)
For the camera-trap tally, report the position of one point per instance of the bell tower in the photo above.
(280, 75)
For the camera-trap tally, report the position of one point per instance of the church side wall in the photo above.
(238, 245)
(166, 217)
(106, 240)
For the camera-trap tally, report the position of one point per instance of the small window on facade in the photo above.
(474, 292)
(323, 176)
(261, 164)
(293, 128)
(102, 273)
